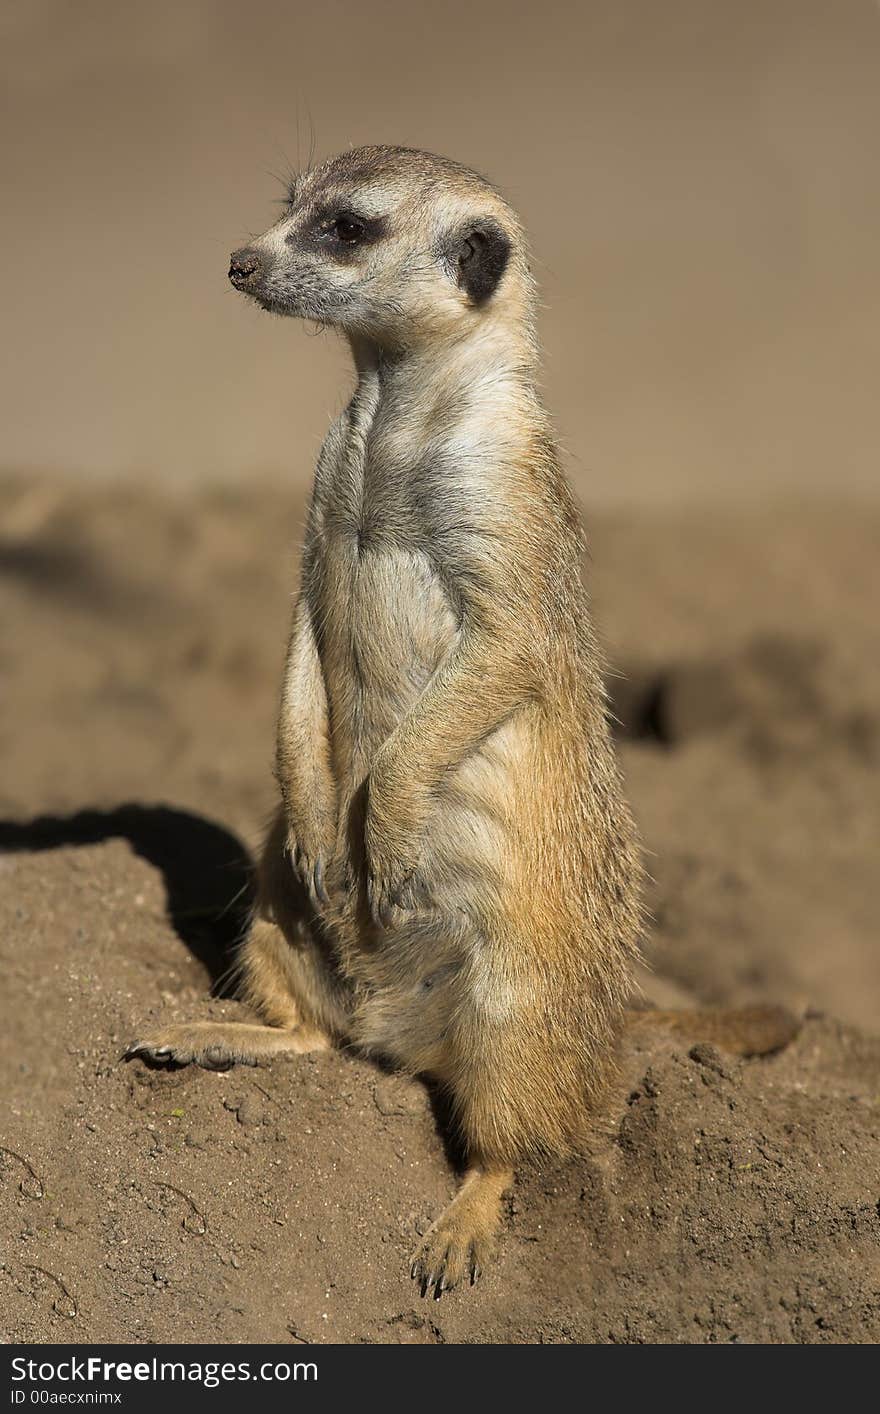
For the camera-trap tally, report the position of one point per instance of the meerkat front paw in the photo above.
(393, 837)
(310, 866)
(390, 895)
(391, 876)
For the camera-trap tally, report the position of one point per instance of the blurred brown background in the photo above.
(700, 180)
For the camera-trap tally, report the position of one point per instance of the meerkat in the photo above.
(451, 881)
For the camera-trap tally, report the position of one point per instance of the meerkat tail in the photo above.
(744, 1031)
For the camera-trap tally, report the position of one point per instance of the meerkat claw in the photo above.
(157, 1054)
(318, 881)
(389, 902)
(311, 872)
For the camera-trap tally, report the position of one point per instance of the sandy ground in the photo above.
(724, 1200)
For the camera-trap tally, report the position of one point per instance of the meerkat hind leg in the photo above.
(462, 1239)
(217, 1045)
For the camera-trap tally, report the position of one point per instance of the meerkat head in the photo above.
(390, 245)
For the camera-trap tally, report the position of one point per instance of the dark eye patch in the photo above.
(340, 232)
(348, 225)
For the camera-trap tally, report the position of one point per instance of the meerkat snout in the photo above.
(244, 266)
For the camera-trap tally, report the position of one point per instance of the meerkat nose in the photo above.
(243, 266)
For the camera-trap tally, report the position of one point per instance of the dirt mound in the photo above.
(724, 1200)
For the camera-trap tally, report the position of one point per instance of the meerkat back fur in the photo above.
(451, 881)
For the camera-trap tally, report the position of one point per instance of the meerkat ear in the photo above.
(477, 255)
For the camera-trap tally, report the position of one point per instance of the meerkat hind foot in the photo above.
(462, 1240)
(219, 1045)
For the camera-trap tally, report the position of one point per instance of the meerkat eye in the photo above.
(347, 230)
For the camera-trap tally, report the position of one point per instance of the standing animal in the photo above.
(451, 881)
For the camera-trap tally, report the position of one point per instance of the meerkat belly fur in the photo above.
(451, 881)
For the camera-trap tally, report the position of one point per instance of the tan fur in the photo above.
(744, 1031)
(451, 880)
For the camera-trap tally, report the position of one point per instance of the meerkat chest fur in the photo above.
(397, 492)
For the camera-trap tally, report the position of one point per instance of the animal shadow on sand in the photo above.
(208, 873)
(210, 888)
